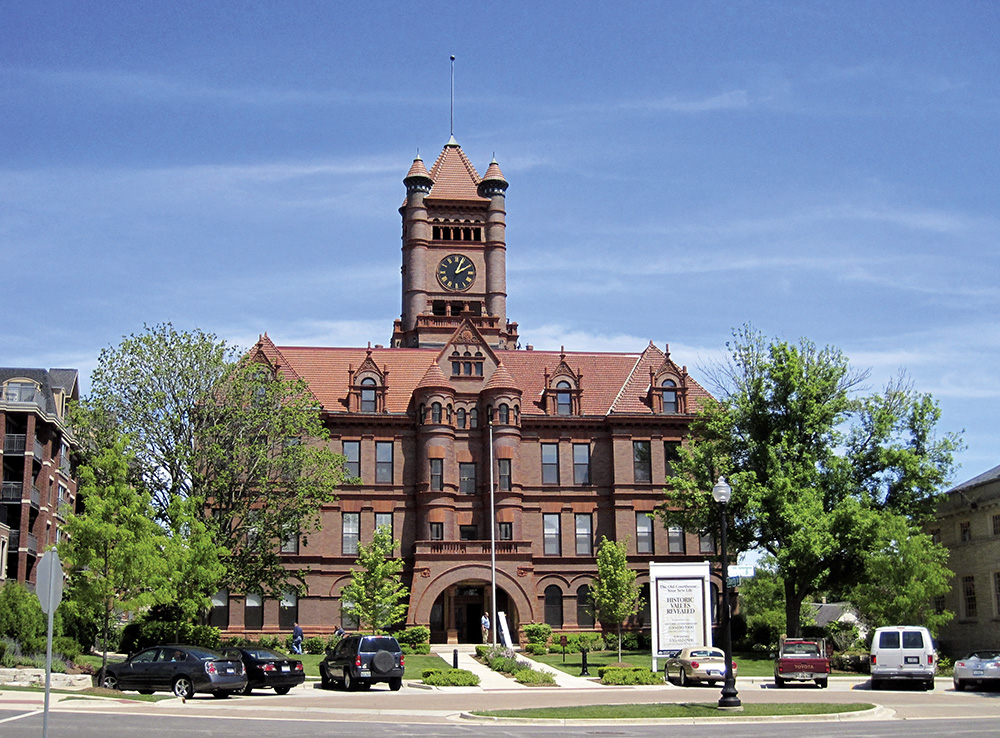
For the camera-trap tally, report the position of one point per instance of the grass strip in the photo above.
(665, 710)
(89, 692)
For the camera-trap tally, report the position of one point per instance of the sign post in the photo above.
(49, 587)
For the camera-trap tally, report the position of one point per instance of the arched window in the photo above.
(460, 419)
(474, 418)
(564, 401)
(553, 606)
(669, 396)
(436, 412)
(368, 395)
(420, 414)
(584, 607)
(504, 414)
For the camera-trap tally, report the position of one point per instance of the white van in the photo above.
(904, 652)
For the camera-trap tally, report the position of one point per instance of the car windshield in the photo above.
(204, 654)
(372, 645)
(706, 654)
(263, 654)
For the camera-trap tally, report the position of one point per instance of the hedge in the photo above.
(626, 676)
(533, 677)
(450, 678)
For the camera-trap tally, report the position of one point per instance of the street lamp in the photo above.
(729, 699)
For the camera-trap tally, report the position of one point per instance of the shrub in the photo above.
(534, 678)
(853, 661)
(504, 664)
(414, 636)
(21, 617)
(620, 676)
(450, 678)
(585, 642)
(315, 644)
(419, 648)
(630, 641)
(272, 642)
(536, 649)
(68, 648)
(482, 650)
(538, 632)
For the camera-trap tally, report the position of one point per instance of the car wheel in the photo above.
(682, 678)
(110, 681)
(281, 690)
(324, 678)
(929, 685)
(779, 682)
(822, 683)
(959, 685)
(246, 690)
(396, 683)
(220, 695)
(183, 688)
(350, 683)
(876, 684)
(383, 662)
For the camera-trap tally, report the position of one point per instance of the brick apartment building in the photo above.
(575, 445)
(38, 485)
(968, 525)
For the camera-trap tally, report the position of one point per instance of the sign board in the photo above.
(49, 581)
(504, 629)
(744, 571)
(680, 606)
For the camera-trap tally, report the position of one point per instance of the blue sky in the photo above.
(676, 169)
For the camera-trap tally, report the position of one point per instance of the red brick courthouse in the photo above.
(581, 441)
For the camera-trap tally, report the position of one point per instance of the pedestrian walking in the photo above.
(297, 636)
(485, 622)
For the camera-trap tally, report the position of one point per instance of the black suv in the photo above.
(360, 661)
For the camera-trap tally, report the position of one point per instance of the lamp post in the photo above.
(729, 699)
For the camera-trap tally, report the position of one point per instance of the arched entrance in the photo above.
(457, 611)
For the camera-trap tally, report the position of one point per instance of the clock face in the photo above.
(456, 272)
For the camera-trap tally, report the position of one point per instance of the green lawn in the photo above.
(628, 712)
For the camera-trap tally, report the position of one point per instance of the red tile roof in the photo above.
(454, 176)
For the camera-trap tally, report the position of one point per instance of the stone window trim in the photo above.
(367, 388)
(668, 390)
(563, 394)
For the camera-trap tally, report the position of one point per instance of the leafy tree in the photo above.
(231, 454)
(805, 456)
(904, 572)
(614, 592)
(114, 550)
(376, 594)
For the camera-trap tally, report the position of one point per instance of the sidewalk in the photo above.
(492, 680)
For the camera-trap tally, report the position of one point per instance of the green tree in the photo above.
(904, 573)
(614, 592)
(21, 617)
(232, 454)
(114, 551)
(804, 454)
(376, 595)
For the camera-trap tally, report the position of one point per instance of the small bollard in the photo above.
(583, 670)
(454, 659)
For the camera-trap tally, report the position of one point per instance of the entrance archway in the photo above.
(457, 611)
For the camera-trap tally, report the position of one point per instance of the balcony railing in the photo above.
(39, 449)
(11, 491)
(14, 540)
(471, 548)
(36, 496)
(32, 544)
(15, 443)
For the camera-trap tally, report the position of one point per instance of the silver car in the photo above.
(979, 668)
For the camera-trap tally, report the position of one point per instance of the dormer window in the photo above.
(564, 400)
(467, 365)
(670, 404)
(368, 403)
(21, 391)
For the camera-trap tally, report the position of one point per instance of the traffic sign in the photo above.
(49, 581)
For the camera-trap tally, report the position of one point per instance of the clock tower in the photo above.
(454, 253)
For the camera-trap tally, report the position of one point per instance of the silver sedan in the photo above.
(979, 668)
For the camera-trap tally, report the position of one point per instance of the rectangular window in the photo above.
(291, 544)
(581, 463)
(352, 450)
(676, 543)
(506, 531)
(468, 533)
(551, 534)
(288, 611)
(350, 531)
(503, 468)
(437, 531)
(383, 462)
(253, 612)
(437, 474)
(550, 463)
(584, 534)
(969, 596)
(996, 525)
(643, 533)
(641, 466)
(467, 478)
(671, 453)
(965, 532)
(383, 520)
(219, 615)
(996, 594)
(706, 543)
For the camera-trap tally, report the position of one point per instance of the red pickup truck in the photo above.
(802, 660)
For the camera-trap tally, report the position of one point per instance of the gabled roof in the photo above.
(985, 478)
